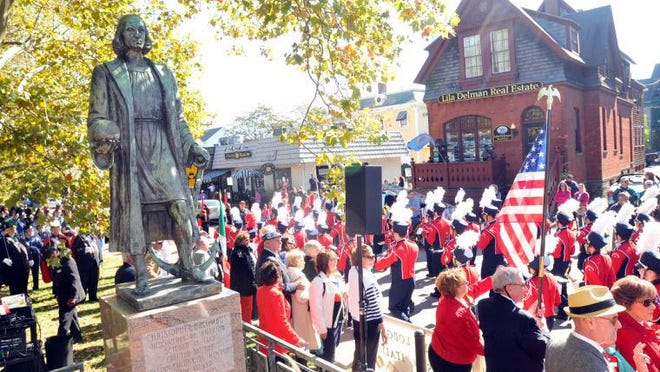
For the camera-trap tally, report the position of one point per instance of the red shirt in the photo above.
(584, 231)
(476, 287)
(624, 259)
(565, 246)
(274, 314)
(598, 270)
(551, 294)
(405, 251)
(487, 234)
(456, 333)
(630, 334)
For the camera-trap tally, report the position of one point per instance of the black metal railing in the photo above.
(262, 356)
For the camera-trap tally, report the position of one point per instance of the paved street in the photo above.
(425, 306)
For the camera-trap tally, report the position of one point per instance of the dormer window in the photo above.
(472, 53)
(499, 50)
(402, 118)
(574, 40)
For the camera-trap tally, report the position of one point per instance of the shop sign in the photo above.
(268, 168)
(503, 90)
(238, 155)
(502, 133)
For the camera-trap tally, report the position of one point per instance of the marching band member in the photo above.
(401, 258)
(565, 238)
(492, 256)
(594, 209)
(624, 256)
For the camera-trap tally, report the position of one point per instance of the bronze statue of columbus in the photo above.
(136, 130)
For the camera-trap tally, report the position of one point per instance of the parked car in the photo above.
(214, 206)
(636, 183)
(653, 158)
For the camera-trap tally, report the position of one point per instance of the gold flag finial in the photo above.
(548, 92)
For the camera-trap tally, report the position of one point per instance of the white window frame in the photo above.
(472, 56)
(499, 51)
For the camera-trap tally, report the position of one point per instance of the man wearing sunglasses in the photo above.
(596, 318)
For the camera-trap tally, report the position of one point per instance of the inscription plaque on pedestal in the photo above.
(200, 345)
(199, 335)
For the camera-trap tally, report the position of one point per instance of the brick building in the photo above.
(482, 84)
(652, 108)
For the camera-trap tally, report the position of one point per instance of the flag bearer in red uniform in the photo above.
(401, 258)
(565, 245)
(551, 292)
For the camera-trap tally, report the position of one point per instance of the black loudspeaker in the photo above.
(363, 199)
(59, 352)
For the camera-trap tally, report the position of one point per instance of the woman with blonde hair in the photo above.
(456, 342)
(301, 319)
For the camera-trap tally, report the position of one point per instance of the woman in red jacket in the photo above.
(456, 341)
(274, 309)
(638, 296)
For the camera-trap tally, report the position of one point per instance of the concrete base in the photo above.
(198, 335)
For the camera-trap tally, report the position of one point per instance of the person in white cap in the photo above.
(596, 318)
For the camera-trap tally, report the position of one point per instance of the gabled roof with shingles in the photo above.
(271, 150)
(391, 99)
(596, 28)
(436, 48)
(209, 133)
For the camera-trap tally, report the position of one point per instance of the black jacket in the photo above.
(242, 278)
(17, 273)
(513, 342)
(66, 281)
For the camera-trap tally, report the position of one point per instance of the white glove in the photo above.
(31, 263)
(7, 262)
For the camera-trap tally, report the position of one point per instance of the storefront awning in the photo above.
(208, 176)
(244, 173)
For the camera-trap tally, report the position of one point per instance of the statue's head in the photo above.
(130, 22)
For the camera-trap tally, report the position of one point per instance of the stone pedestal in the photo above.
(197, 335)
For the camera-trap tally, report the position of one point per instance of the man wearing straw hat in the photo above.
(595, 315)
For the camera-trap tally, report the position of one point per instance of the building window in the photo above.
(620, 133)
(499, 51)
(574, 40)
(467, 137)
(402, 119)
(603, 120)
(614, 137)
(578, 135)
(532, 120)
(472, 54)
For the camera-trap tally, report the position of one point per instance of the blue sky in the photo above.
(233, 85)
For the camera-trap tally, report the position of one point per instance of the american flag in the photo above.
(522, 211)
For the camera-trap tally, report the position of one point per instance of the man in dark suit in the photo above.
(14, 260)
(68, 291)
(594, 314)
(514, 339)
(272, 246)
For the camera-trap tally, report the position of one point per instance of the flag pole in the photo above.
(549, 92)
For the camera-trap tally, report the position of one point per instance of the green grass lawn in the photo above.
(90, 351)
